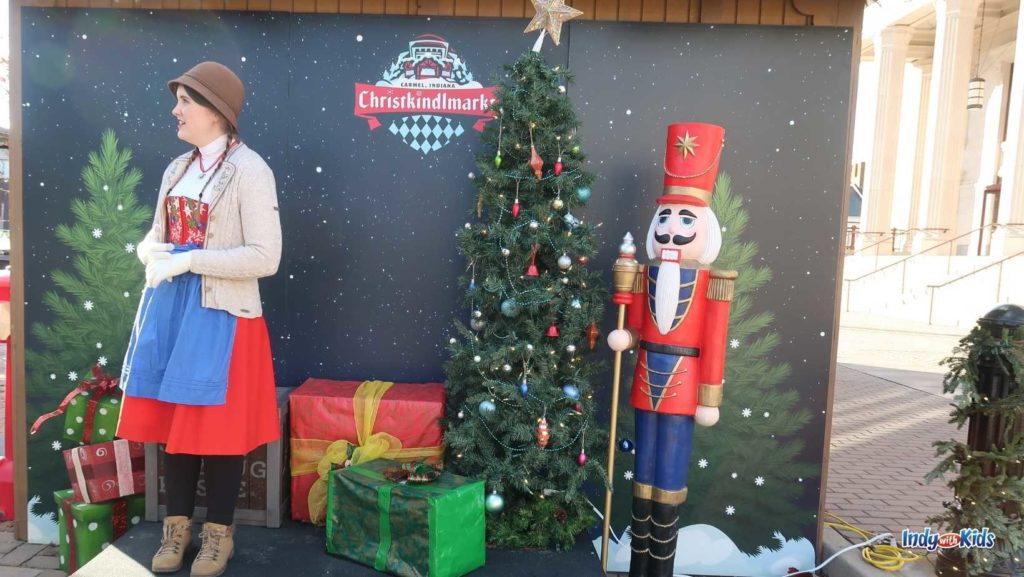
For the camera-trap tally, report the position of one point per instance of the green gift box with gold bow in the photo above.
(412, 529)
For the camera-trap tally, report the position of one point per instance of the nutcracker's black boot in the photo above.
(640, 528)
(664, 521)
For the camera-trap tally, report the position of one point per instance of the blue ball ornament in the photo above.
(524, 389)
(625, 445)
(583, 193)
(494, 503)
(487, 408)
(571, 391)
(510, 308)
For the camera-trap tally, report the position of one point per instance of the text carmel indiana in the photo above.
(966, 538)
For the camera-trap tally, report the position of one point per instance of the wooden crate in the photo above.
(264, 491)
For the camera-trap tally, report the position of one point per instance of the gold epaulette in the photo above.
(721, 286)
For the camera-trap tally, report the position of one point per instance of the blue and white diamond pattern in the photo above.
(426, 132)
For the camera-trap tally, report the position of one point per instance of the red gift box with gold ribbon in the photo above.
(339, 423)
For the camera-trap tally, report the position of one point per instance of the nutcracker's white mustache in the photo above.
(666, 300)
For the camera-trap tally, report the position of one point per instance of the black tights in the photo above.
(223, 479)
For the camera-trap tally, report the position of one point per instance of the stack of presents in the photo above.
(363, 458)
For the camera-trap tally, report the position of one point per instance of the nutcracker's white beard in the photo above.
(666, 300)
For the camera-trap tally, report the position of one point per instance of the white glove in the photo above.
(619, 340)
(166, 268)
(150, 250)
(706, 416)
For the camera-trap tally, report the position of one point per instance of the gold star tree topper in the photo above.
(685, 145)
(550, 16)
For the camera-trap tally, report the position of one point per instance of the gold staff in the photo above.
(623, 276)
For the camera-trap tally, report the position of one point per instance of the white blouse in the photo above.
(192, 182)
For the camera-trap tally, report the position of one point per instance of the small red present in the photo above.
(338, 423)
(106, 471)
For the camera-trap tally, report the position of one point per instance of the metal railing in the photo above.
(896, 238)
(999, 281)
(949, 244)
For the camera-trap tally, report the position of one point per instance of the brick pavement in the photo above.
(881, 449)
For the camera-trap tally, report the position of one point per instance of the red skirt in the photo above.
(246, 420)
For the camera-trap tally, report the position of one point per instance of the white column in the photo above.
(947, 118)
(1010, 241)
(922, 132)
(891, 54)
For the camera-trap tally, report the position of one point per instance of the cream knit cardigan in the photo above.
(243, 231)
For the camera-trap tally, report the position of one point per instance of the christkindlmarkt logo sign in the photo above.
(433, 90)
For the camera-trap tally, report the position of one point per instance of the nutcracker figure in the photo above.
(677, 313)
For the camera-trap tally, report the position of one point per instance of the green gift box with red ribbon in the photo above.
(406, 520)
(90, 411)
(85, 529)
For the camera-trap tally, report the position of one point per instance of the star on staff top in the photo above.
(550, 16)
(686, 144)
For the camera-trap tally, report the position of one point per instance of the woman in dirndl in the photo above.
(198, 375)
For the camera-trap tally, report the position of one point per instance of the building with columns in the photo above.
(933, 166)
(938, 153)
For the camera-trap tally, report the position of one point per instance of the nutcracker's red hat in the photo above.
(691, 162)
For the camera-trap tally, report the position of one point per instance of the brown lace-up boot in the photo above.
(176, 540)
(218, 547)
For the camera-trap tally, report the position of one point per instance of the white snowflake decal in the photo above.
(102, 361)
(703, 463)
(759, 481)
(97, 233)
(628, 475)
(126, 295)
(129, 247)
(735, 343)
(99, 345)
(746, 413)
(767, 414)
(734, 475)
(55, 445)
(88, 305)
(730, 510)
(72, 376)
(53, 376)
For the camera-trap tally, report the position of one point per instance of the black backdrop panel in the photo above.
(782, 95)
(367, 283)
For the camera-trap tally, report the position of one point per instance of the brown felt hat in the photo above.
(218, 84)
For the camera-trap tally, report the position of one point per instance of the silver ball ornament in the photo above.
(571, 348)
(477, 324)
(564, 262)
(494, 503)
(534, 224)
(505, 252)
(476, 358)
(506, 367)
(557, 204)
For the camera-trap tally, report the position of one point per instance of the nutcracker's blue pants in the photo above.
(663, 445)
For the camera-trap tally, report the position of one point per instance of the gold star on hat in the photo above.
(686, 144)
(550, 16)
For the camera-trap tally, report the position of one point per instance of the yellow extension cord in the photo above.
(884, 557)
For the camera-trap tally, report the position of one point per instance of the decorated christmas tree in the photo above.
(521, 413)
(745, 473)
(92, 305)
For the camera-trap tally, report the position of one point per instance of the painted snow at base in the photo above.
(704, 550)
